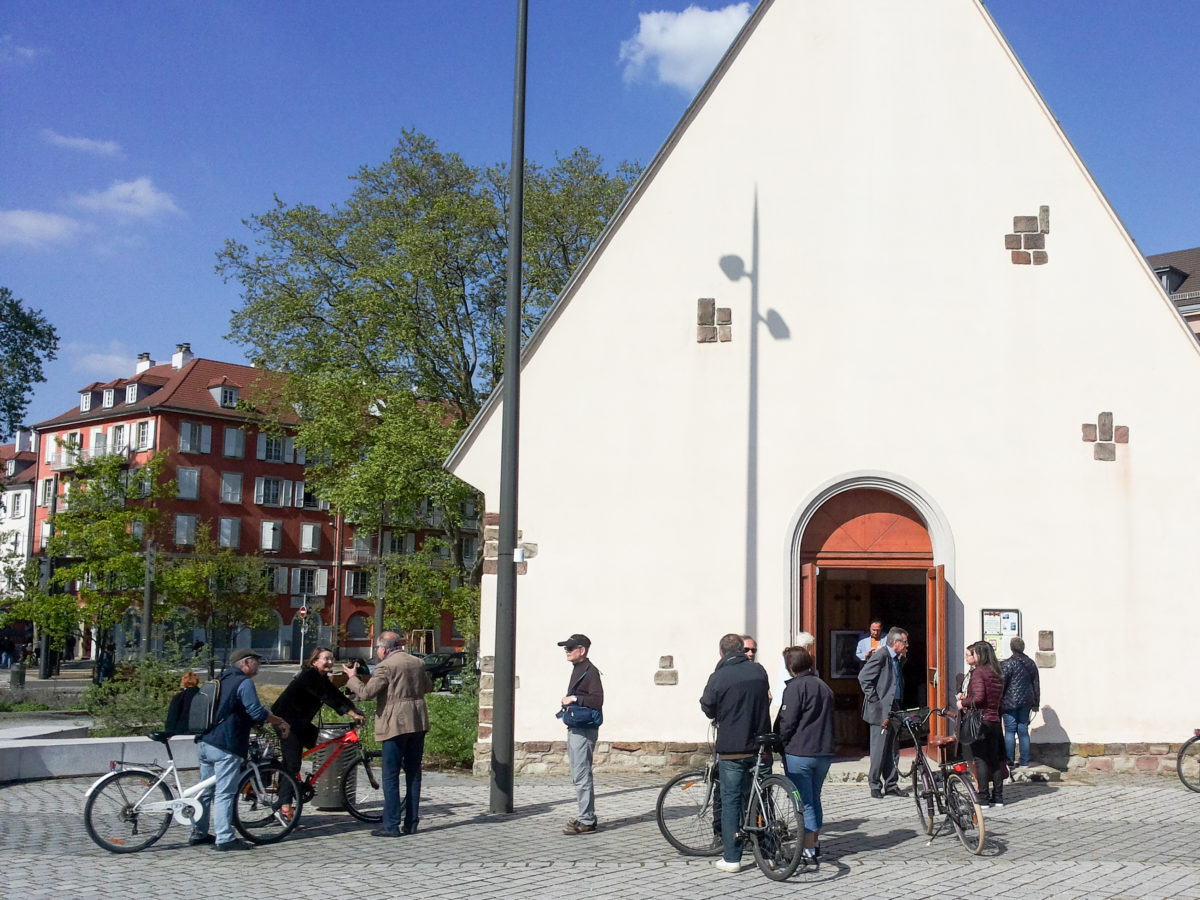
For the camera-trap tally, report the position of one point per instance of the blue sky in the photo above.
(136, 136)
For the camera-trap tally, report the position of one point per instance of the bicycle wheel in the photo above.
(112, 816)
(259, 798)
(1188, 764)
(962, 806)
(777, 837)
(362, 792)
(686, 810)
(923, 789)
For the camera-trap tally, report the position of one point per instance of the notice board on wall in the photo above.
(999, 626)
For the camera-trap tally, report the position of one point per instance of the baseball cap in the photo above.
(576, 640)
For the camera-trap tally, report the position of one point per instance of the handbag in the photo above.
(576, 716)
(970, 725)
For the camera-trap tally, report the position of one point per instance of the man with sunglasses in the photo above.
(584, 689)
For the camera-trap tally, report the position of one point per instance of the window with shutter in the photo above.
(231, 532)
(188, 483)
(231, 487)
(235, 442)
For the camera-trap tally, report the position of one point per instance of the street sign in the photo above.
(303, 612)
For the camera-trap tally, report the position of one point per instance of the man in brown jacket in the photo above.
(398, 685)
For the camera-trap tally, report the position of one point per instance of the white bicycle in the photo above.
(132, 806)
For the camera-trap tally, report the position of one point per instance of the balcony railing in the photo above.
(352, 557)
(70, 457)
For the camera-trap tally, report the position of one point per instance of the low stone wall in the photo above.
(550, 758)
(1137, 759)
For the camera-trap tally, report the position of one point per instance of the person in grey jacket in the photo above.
(805, 728)
(1022, 698)
(882, 683)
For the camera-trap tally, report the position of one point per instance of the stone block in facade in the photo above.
(1121, 434)
(1025, 224)
(1104, 451)
(1040, 257)
(706, 311)
(1089, 432)
(1012, 242)
(724, 333)
(1035, 242)
(1021, 258)
(724, 315)
(706, 334)
(1044, 219)
(666, 676)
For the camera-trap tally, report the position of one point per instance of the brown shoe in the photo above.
(577, 827)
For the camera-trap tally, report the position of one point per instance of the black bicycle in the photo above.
(1187, 764)
(947, 791)
(688, 811)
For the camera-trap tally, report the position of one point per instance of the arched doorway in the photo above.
(862, 552)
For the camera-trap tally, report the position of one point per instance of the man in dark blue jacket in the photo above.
(738, 697)
(223, 747)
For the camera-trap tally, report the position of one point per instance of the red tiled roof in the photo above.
(1187, 261)
(27, 474)
(184, 390)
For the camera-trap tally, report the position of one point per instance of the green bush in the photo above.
(135, 701)
(453, 726)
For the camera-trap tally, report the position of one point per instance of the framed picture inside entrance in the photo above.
(842, 646)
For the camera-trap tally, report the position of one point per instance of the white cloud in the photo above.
(33, 228)
(138, 199)
(85, 145)
(100, 362)
(681, 49)
(10, 52)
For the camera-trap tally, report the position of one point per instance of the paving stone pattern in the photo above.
(1116, 837)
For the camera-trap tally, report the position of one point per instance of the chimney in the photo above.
(182, 356)
(144, 362)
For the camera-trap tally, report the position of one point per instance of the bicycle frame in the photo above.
(343, 742)
(185, 806)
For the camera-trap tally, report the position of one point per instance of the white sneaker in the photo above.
(731, 867)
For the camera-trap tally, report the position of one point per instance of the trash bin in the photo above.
(16, 675)
(328, 793)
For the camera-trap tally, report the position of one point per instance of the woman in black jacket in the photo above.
(805, 727)
(300, 702)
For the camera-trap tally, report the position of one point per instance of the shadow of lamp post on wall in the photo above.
(735, 270)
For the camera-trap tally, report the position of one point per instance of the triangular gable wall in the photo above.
(865, 161)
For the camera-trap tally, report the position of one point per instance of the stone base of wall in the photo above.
(1134, 759)
(550, 758)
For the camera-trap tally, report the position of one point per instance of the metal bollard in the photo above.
(16, 675)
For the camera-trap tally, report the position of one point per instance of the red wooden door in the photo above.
(935, 631)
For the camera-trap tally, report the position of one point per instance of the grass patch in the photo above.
(23, 706)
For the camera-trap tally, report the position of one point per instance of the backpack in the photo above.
(193, 710)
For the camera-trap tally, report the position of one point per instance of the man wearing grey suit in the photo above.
(883, 691)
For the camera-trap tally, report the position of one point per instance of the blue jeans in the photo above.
(808, 775)
(221, 798)
(402, 752)
(1016, 726)
(734, 776)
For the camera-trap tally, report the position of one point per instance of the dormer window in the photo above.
(109, 397)
(10, 468)
(85, 401)
(131, 394)
(229, 397)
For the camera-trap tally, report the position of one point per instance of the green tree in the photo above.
(223, 590)
(387, 313)
(27, 341)
(104, 517)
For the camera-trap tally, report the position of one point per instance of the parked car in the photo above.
(445, 669)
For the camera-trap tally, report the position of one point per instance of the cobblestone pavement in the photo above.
(1117, 837)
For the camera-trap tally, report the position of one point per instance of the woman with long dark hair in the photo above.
(300, 702)
(984, 692)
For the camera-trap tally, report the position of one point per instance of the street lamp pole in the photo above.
(503, 703)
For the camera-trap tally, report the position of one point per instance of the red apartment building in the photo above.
(245, 483)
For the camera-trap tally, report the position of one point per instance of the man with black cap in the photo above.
(584, 689)
(222, 749)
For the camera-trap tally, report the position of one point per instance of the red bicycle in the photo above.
(358, 777)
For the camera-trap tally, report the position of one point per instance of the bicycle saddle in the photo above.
(161, 736)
